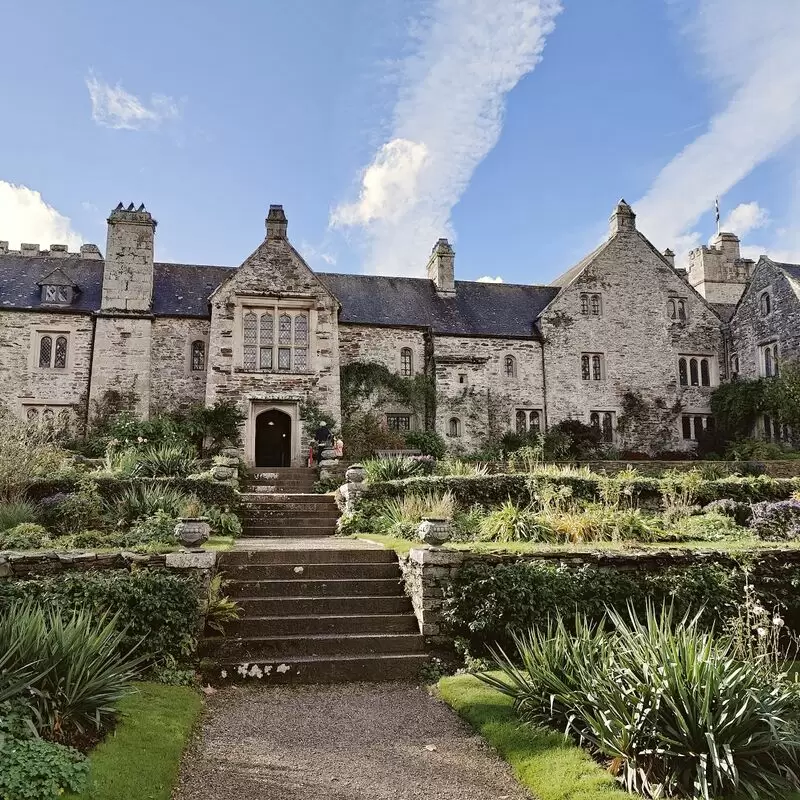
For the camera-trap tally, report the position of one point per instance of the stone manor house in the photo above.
(624, 340)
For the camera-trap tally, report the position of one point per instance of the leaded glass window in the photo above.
(683, 372)
(300, 359)
(284, 358)
(301, 329)
(535, 422)
(693, 376)
(597, 373)
(406, 362)
(585, 373)
(522, 422)
(198, 355)
(45, 351)
(285, 329)
(249, 344)
(705, 373)
(60, 359)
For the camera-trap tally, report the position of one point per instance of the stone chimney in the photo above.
(670, 256)
(27, 249)
(91, 251)
(441, 268)
(276, 223)
(128, 270)
(718, 272)
(58, 251)
(622, 219)
(3, 247)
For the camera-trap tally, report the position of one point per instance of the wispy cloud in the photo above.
(113, 107)
(449, 115)
(744, 218)
(750, 56)
(26, 217)
(490, 279)
(315, 255)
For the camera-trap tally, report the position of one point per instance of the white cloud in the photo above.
(314, 255)
(490, 279)
(744, 218)
(448, 117)
(26, 217)
(113, 107)
(750, 57)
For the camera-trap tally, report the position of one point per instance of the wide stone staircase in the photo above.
(314, 608)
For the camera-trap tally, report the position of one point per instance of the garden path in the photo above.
(356, 741)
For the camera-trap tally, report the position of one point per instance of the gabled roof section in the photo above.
(57, 277)
(477, 309)
(791, 271)
(183, 290)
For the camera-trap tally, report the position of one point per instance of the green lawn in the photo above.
(545, 763)
(402, 546)
(219, 543)
(140, 759)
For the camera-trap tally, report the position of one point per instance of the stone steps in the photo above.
(289, 532)
(316, 615)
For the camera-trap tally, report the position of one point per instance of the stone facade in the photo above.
(623, 340)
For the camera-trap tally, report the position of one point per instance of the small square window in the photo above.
(462, 378)
(398, 422)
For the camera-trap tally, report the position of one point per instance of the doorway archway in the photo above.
(273, 439)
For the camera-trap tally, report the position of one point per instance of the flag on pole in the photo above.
(716, 211)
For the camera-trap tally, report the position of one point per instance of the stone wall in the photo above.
(637, 340)
(473, 388)
(749, 329)
(22, 565)
(429, 572)
(24, 386)
(173, 382)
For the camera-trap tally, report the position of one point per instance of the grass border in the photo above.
(548, 765)
(142, 756)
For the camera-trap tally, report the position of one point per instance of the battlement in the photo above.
(34, 250)
(131, 215)
(718, 271)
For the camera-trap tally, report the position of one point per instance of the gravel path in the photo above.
(364, 741)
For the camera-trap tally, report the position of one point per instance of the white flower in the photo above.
(255, 672)
(777, 621)
(223, 674)
(761, 631)
(282, 668)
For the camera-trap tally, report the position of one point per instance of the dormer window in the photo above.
(56, 294)
(57, 288)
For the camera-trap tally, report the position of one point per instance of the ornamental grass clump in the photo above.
(395, 468)
(145, 500)
(400, 516)
(671, 709)
(511, 523)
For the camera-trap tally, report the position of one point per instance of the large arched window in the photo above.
(406, 362)
(522, 422)
(198, 355)
(510, 367)
(454, 427)
(765, 304)
(705, 372)
(694, 377)
(60, 355)
(683, 372)
(536, 423)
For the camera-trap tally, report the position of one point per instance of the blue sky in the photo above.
(511, 126)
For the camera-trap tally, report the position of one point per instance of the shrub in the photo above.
(363, 436)
(707, 527)
(671, 707)
(218, 609)
(66, 513)
(525, 459)
(223, 523)
(455, 466)
(87, 669)
(430, 443)
(400, 517)
(392, 468)
(25, 536)
(486, 603)
(158, 528)
(598, 523)
(166, 461)
(142, 500)
(740, 512)
(34, 769)
(154, 607)
(777, 521)
(511, 523)
(14, 512)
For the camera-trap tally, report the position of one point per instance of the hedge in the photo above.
(492, 490)
(207, 491)
(155, 607)
(486, 603)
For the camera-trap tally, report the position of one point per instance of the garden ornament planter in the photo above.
(192, 531)
(434, 530)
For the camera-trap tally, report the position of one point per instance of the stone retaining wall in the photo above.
(429, 571)
(22, 564)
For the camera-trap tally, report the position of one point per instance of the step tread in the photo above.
(313, 636)
(306, 597)
(336, 657)
(298, 617)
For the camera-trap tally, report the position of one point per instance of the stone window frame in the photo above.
(677, 308)
(734, 365)
(769, 359)
(399, 423)
(62, 416)
(765, 302)
(591, 304)
(406, 362)
(606, 421)
(692, 424)
(527, 420)
(194, 340)
(463, 379)
(454, 428)
(593, 367)
(54, 334)
(509, 366)
(275, 306)
(697, 370)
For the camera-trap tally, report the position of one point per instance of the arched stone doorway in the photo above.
(273, 439)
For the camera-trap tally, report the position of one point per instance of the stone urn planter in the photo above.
(434, 530)
(192, 531)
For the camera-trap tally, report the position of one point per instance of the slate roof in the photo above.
(487, 309)
(179, 289)
(724, 311)
(792, 272)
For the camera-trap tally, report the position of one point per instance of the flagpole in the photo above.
(716, 209)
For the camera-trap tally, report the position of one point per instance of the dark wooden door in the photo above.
(273, 439)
